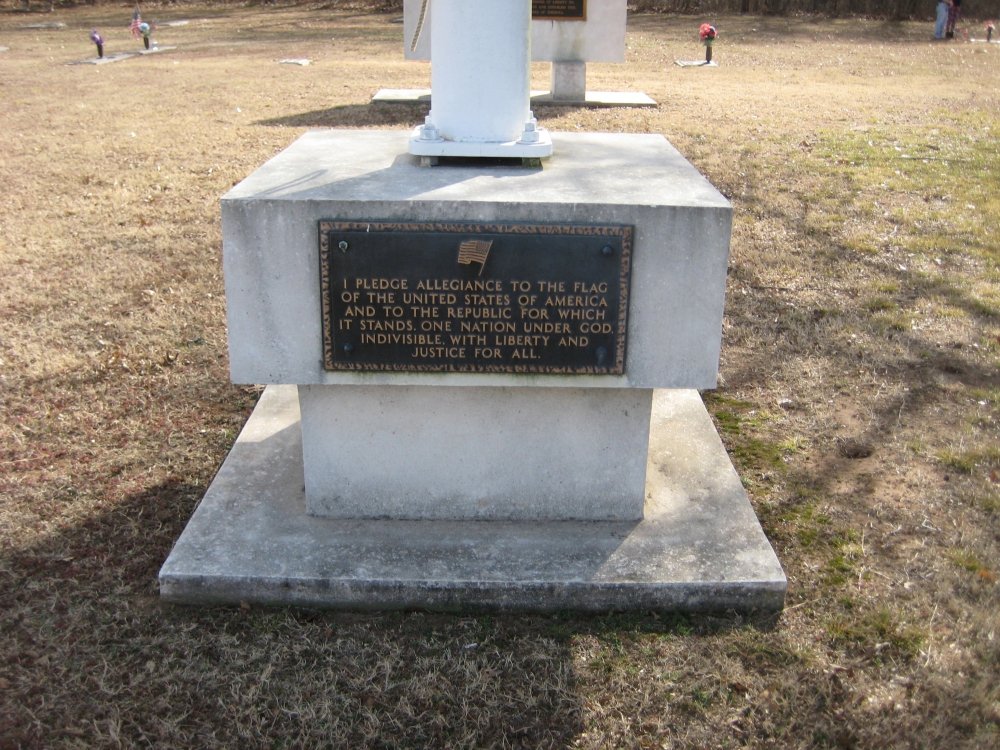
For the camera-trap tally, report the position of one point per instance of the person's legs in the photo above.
(942, 19)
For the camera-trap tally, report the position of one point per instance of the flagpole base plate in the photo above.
(509, 149)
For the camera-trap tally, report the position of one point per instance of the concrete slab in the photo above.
(597, 99)
(699, 548)
(154, 50)
(593, 98)
(402, 96)
(696, 64)
(104, 60)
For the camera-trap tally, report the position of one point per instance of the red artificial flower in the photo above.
(707, 31)
(991, 26)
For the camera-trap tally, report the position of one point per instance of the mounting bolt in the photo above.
(343, 246)
(348, 348)
(607, 251)
(601, 354)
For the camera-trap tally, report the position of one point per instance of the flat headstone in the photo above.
(598, 99)
(402, 96)
(594, 98)
(154, 50)
(4, 49)
(103, 60)
(700, 547)
(696, 64)
(295, 61)
(174, 23)
(55, 25)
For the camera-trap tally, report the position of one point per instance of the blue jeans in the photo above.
(942, 19)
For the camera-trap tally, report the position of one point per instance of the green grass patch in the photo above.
(756, 453)
(986, 499)
(877, 304)
(875, 629)
(729, 423)
(965, 559)
(966, 461)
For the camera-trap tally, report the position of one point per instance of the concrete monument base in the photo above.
(699, 547)
(467, 453)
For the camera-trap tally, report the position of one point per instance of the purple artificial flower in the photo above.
(95, 37)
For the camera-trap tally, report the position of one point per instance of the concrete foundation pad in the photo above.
(402, 96)
(597, 99)
(699, 548)
(103, 60)
(593, 98)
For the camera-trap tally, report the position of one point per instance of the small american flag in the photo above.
(474, 251)
(136, 21)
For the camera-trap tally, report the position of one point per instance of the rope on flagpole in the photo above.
(420, 25)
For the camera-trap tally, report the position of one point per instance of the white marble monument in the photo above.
(492, 429)
(569, 43)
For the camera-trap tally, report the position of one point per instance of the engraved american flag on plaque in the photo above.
(474, 251)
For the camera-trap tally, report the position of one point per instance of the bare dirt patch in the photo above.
(859, 398)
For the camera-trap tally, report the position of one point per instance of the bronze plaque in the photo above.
(559, 10)
(456, 297)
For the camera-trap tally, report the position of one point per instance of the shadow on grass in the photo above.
(354, 116)
(90, 653)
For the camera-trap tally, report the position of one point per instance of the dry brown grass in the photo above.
(860, 401)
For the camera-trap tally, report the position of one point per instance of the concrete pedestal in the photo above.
(568, 82)
(456, 489)
(475, 453)
(270, 236)
(699, 547)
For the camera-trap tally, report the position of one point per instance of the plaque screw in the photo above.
(601, 354)
(348, 348)
(607, 250)
(343, 246)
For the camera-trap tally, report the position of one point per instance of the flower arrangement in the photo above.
(99, 41)
(707, 33)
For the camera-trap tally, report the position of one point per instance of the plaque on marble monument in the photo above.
(558, 10)
(460, 297)
(429, 436)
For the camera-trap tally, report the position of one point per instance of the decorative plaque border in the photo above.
(616, 367)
